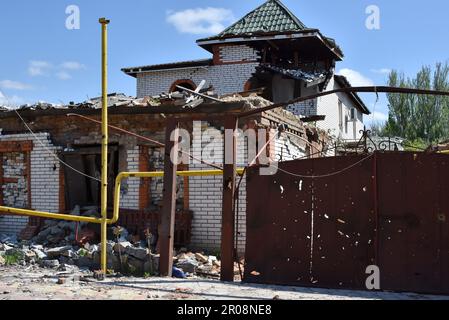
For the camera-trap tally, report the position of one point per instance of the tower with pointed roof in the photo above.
(271, 50)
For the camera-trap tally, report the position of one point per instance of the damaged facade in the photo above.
(34, 178)
(268, 52)
(269, 48)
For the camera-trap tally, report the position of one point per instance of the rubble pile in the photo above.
(252, 101)
(61, 233)
(197, 264)
(124, 257)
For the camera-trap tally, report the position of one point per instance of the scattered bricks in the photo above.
(39, 254)
(61, 281)
(201, 258)
(56, 252)
(51, 264)
(30, 255)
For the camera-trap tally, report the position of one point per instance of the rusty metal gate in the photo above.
(388, 209)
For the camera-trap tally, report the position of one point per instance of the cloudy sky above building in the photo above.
(41, 60)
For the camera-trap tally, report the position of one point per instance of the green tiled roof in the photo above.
(272, 16)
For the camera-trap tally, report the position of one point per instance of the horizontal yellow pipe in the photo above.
(118, 180)
(160, 174)
(49, 215)
(155, 174)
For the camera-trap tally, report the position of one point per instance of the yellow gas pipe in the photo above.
(104, 221)
(104, 144)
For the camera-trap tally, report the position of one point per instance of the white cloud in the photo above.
(200, 20)
(10, 101)
(356, 79)
(39, 68)
(63, 75)
(379, 116)
(381, 71)
(61, 71)
(14, 85)
(73, 65)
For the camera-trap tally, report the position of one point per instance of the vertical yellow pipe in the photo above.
(104, 144)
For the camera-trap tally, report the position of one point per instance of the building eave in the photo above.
(207, 43)
(134, 71)
(344, 83)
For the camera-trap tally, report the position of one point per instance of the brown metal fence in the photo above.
(389, 210)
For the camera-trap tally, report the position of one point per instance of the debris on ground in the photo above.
(57, 247)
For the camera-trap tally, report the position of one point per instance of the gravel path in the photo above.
(34, 283)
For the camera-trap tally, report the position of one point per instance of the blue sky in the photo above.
(41, 60)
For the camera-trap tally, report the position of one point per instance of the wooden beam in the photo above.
(296, 58)
(228, 218)
(145, 183)
(167, 229)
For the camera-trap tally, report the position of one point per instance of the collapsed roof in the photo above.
(270, 21)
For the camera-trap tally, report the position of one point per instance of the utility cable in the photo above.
(160, 144)
(51, 152)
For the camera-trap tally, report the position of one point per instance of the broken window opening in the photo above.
(185, 83)
(82, 191)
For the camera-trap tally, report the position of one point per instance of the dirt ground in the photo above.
(34, 283)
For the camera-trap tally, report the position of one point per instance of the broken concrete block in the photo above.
(39, 254)
(84, 262)
(2, 261)
(29, 255)
(55, 230)
(37, 247)
(5, 247)
(50, 264)
(201, 258)
(211, 260)
(135, 266)
(187, 265)
(139, 253)
(205, 268)
(56, 252)
(70, 253)
(121, 246)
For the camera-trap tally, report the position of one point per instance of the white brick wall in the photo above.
(205, 195)
(44, 180)
(286, 149)
(130, 187)
(224, 78)
(238, 53)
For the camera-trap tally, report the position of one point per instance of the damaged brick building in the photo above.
(269, 48)
(268, 56)
(33, 177)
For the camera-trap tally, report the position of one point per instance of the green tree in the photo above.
(419, 118)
